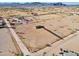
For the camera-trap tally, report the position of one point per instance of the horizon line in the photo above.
(68, 3)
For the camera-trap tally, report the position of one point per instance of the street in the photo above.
(6, 44)
(18, 40)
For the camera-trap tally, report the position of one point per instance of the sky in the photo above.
(69, 2)
(38, 0)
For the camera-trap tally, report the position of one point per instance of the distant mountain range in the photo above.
(32, 4)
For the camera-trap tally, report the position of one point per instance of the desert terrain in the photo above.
(44, 29)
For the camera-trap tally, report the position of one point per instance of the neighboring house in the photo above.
(15, 20)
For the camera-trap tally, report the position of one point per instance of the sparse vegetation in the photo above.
(43, 26)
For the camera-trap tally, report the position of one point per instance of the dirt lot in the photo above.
(63, 21)
(36, 39)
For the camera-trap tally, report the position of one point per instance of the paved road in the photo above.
(18, 40)
(6, 43)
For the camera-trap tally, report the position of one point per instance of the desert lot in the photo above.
(62, 24)
(63, 21)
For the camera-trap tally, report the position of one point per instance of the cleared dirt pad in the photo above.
(37, 39)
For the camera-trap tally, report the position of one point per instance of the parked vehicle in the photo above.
(15, 21)
(2, 23)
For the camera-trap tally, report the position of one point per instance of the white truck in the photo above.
(2, 23)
